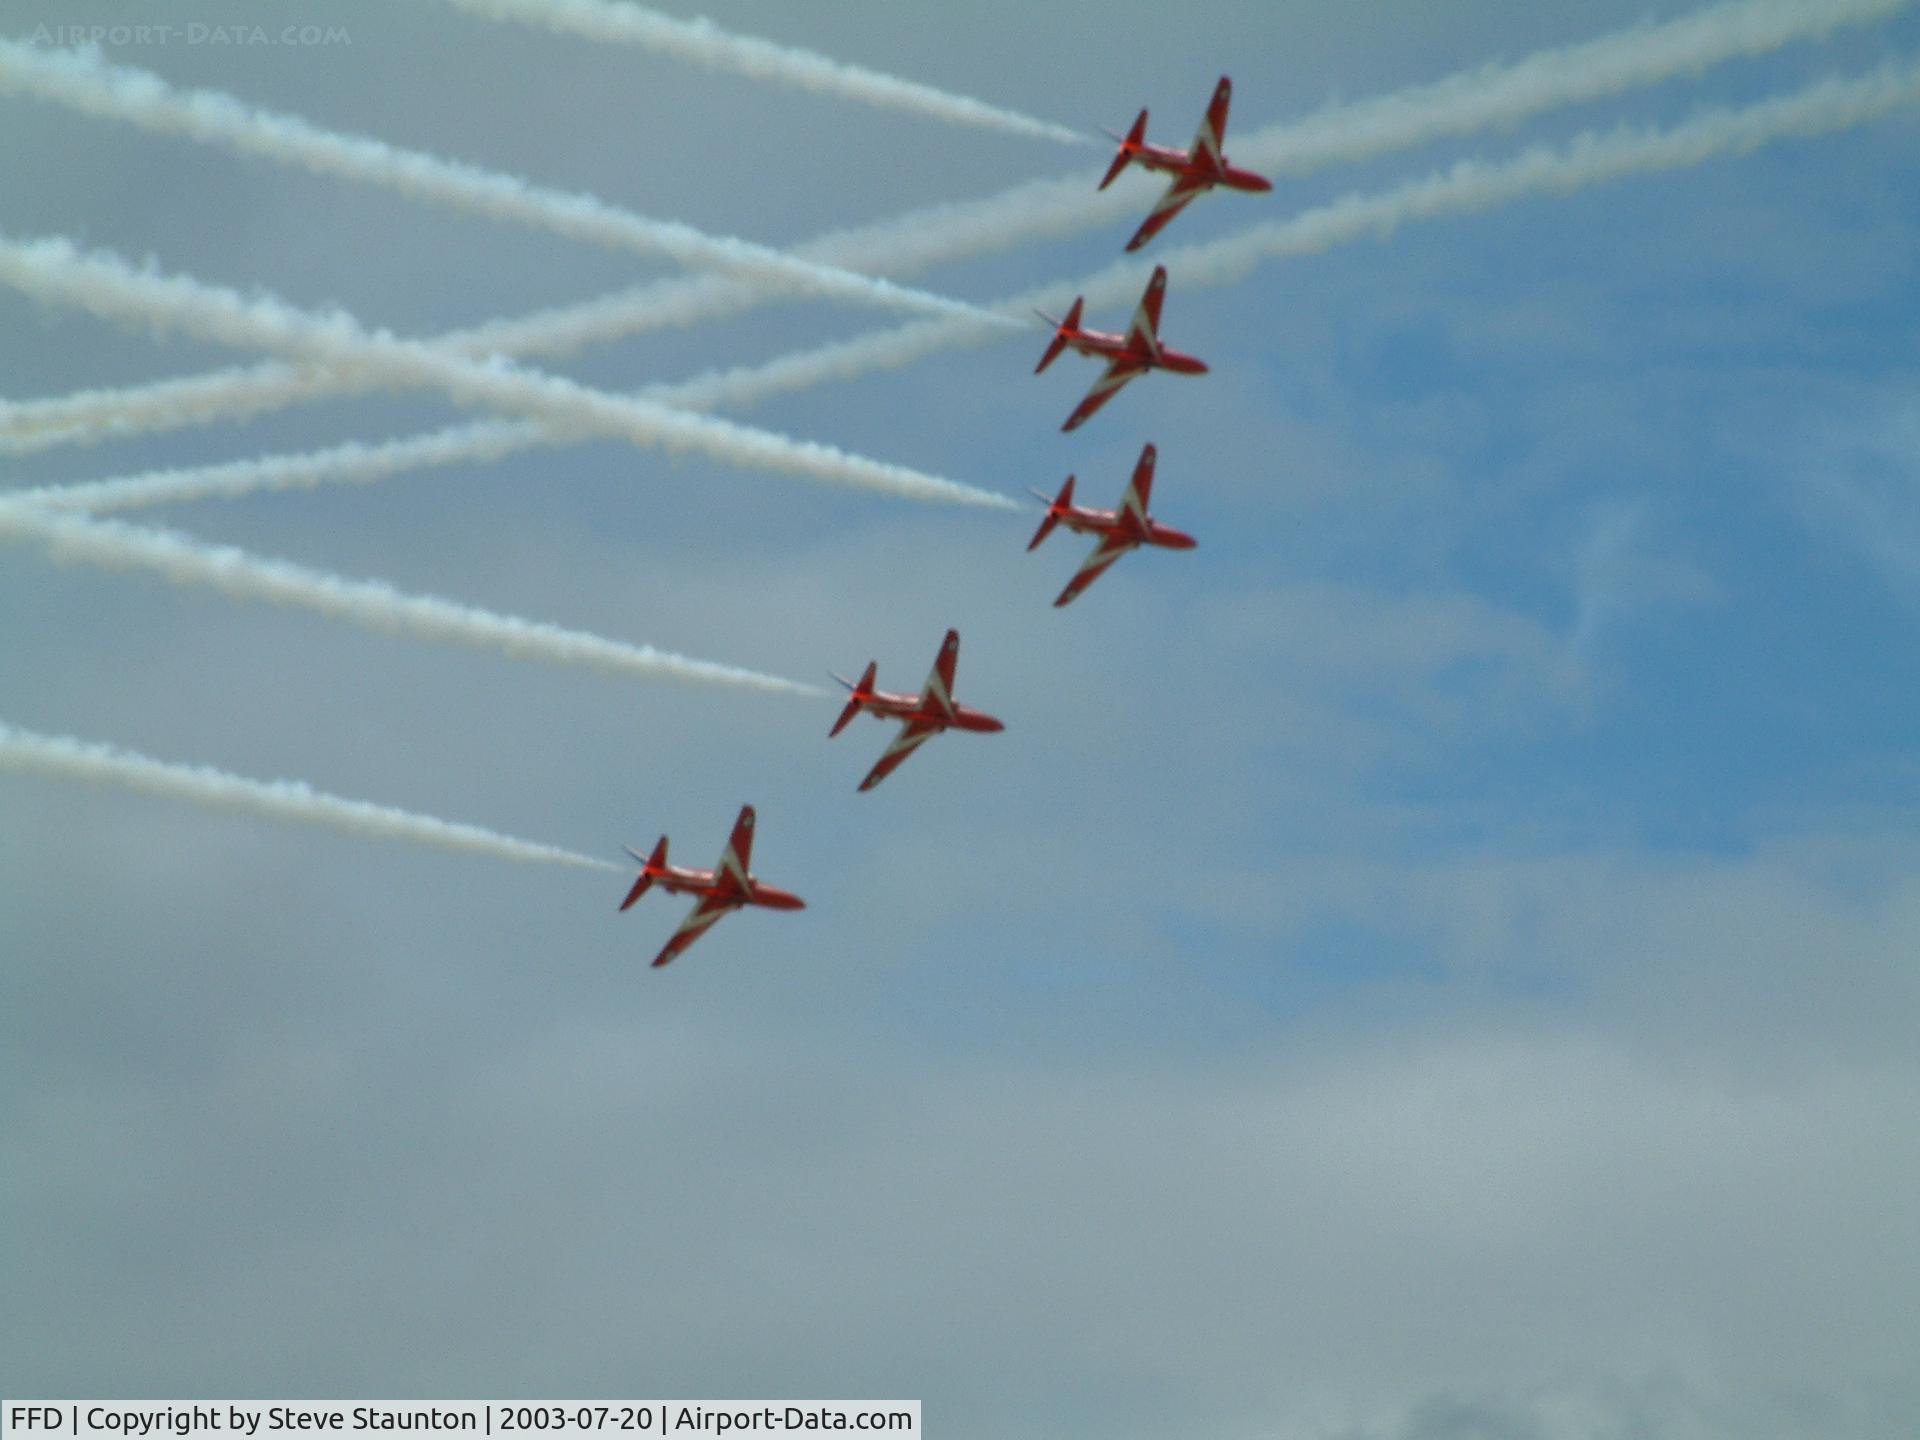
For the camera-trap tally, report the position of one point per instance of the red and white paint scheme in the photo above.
(727, 887)
(1128, 355)
(1119, 530)
(921, 716)
(1194, 171)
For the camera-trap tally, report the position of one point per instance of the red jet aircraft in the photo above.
(921, 716)
(1194, 171)
(1128, 355)
(728, 886)
(1119, 530)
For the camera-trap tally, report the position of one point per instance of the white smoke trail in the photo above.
(107, 286)
(1590, 158)
(24, 751)
(97, 416)
(353, 463)
(1498, 94)
(84, 82)
(237, 392)
(182, 560)
(1039, 209)
(704, 43)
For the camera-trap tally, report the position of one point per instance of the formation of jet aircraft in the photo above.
(921, 716)
(730, 885)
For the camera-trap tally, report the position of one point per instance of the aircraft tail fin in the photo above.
(1129, 147)
(861, 692)
(1054, 508)
(1061, 328)
(651, 866)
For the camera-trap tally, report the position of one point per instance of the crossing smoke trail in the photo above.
(1496, 94)
(1038, 209)
(84, 82)
(109, 287)
(22, 750)
(704, 43)
(181, 560)
(1591, 158)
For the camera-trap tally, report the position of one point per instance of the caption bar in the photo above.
(241, 1419)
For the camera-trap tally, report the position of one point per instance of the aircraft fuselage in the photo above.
(1121, 525)
(679, 880)
(1170, 161)
(1112, 347)
(891, 705)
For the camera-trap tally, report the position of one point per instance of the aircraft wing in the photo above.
(1118, 372)
(939, 686)
(710, 909)
(1143, 333)
(1213, 125)
(913, 734)
(1178, 195)
(738, 855)
(1140, 487)
(1110, 549)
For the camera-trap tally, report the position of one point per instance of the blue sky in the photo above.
(1435, 961)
